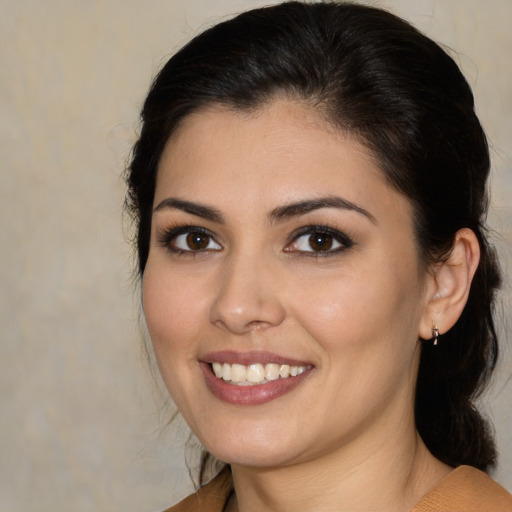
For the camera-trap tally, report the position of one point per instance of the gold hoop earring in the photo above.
(435, 334)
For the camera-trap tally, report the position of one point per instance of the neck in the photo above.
(390, 474)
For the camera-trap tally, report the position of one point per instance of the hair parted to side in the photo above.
(377, 78)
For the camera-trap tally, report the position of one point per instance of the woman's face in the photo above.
(283, 290)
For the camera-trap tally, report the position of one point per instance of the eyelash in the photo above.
(167, 237)
(344, 241)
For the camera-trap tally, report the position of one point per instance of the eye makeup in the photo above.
(182, 239)
(315, 240)
(318, 241)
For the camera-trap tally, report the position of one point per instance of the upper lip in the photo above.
(250, 357)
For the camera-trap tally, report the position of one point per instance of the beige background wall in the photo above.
(79, 428)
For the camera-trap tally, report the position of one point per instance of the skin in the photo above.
(344, 438)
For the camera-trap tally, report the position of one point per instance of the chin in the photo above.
(252, 456)
(254, 445)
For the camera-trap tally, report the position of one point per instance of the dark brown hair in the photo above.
(376, 77)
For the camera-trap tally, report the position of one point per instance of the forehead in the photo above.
(271, 155)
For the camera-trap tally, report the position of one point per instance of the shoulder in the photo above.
(466, 489)
(210, 498)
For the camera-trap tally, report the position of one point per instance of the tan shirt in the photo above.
(465, 489)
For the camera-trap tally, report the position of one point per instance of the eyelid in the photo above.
(344, 240)
(165, 237)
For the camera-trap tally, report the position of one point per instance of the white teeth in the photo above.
(217, 369)
(284, 371)
(238, 373)
(226, 371)
(272, 371)
(255, 373)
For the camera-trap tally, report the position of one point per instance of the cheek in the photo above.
(338, 316)
(362, 307)
(172, 308)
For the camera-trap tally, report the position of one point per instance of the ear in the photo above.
(450, 285)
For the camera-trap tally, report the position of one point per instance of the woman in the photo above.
(309, 188)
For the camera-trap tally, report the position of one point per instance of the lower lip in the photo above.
(250, 395)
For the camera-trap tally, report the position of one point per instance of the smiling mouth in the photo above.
(252, 378)
(254, 374)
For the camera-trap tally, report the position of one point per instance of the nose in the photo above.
(247, 298)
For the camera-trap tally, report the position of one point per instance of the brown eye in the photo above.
(317, 240)
(183, 239)
(197, 241)
(320, 242)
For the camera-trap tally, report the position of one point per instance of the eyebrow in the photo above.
(288, 211)
(200, 210)
(279, 214)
